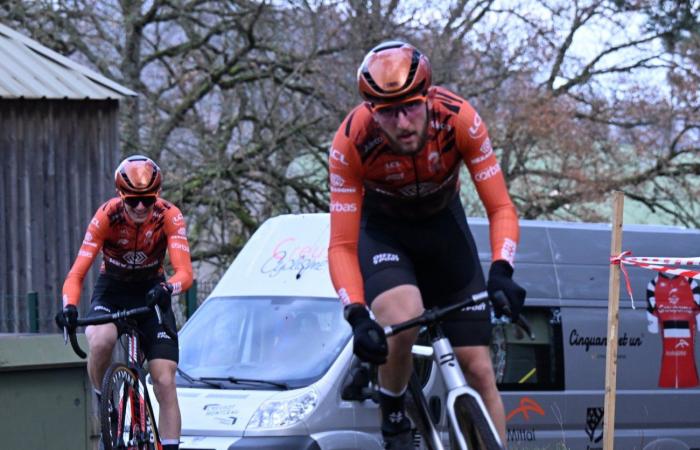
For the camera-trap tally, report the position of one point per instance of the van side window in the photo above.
(523, 364)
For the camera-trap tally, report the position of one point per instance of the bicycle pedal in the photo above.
(401, 441)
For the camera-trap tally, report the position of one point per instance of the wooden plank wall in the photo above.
(58, 160)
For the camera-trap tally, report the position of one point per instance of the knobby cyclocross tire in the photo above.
(417, 409)
(125, 415)
(473, 425)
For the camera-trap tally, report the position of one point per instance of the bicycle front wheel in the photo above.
(473, 425)
(125, 415)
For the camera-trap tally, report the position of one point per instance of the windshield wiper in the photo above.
(235, 380)
(192, 380)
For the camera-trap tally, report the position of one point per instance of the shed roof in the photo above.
(30, 70)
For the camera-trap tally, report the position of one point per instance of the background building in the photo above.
(59, 146)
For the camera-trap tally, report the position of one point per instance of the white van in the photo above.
(265, 357)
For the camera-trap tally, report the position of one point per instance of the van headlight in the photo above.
(285, 412)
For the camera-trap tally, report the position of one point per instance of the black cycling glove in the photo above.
(67, 318)
(503, 291)
(369, 340)
(160, 295)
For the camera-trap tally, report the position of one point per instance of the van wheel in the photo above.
(666, 444)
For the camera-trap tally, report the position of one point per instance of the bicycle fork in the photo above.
(457, 386)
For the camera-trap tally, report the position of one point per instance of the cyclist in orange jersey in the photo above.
(399, 236)
(133, 231)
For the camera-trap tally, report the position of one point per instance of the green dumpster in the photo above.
(45, 394)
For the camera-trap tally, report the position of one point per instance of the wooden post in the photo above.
(613, 319)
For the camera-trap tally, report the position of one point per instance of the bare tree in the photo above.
(239, 99)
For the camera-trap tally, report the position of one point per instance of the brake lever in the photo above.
(169, 331)
(522, 322)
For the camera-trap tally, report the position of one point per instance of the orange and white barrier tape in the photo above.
(654, 263)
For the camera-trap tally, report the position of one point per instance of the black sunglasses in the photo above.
(147, 200)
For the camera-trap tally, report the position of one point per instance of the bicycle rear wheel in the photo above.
(473, 425)
(125, 415)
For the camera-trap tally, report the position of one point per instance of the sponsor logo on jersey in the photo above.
(177, 219)
(412, 190)
(337, 185)
(337, 157)
(440, 126)
(395, 176)
(384, 257)
(478, 307)
(87, 240)
(486, 150)
(343, 295)
(337, 180)
(508, 250)
(477, 129)
(487, 173)
(95, 223)
(85, 253)
(162, 335)
(682, 344)
(673, 296)
(343, 207)
(392, 166)
(343, 190)
(177, 246)
(369, 146)
(434, 162)
(135, 258)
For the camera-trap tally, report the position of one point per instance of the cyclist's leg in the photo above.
(478, 369)
(449, 271)
(169, 423)
(101, 340)
(391, 291)
(396, 305)
(106, 298)
(162, 354)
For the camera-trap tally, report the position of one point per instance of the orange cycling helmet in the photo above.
(394, 72)
(138, 176)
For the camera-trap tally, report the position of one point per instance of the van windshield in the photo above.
(288, 340)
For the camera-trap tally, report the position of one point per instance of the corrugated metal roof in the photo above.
(30, 70)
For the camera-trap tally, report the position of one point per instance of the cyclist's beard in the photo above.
(401, 149)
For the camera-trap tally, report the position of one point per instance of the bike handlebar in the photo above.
(69, 334)
(433, 315)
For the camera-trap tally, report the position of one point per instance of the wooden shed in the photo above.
(59, 146)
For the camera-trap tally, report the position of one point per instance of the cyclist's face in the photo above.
(139, 209)
(405, 125)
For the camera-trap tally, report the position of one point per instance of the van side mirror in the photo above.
(356, 385)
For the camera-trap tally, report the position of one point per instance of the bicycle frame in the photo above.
(456, 384)
(134, 362)
(452, 375)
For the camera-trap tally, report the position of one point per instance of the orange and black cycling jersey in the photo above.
(132, 252)
(363, 169)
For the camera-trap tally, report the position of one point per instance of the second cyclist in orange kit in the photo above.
(133, 231)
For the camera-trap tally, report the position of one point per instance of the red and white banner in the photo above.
(657, 264)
